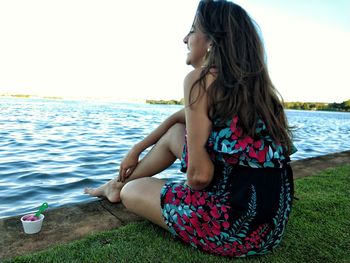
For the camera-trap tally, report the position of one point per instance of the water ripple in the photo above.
(51, 150)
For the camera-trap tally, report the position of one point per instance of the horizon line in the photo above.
(114, 99)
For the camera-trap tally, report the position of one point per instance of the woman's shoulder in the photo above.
(197, 73)
(193, 75)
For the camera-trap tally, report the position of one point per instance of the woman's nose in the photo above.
(185, 39)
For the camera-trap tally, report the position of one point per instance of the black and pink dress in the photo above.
(245, 209)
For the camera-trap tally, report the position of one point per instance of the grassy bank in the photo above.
(318, 231)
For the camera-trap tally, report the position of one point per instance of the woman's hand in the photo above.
(128, 165)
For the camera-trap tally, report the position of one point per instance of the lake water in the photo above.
(51, 149)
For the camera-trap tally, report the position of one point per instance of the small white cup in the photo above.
(32, 227)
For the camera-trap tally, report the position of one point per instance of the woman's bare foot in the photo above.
(110, 190)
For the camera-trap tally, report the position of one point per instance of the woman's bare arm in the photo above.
(200, 170)
(130, 161)
(154, 136)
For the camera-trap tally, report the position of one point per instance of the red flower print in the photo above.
(234, 137)
(262, 155)
(231, 160)
(206, 217)
(180, 193)
(252, 153)
(257, 144)
(214, 212)
(178, 188)
(189, 229)
(193, 214)
(201, 201)
(184, 236)
(248, 246)
(224, 208)
(216, 231)
(206, 227)
(226, 224)
(194, 221)
(200, 211)
(169, 197)
(199, 230)
(188, 199)
(219, 250)
(194, 200)
(180, 220)
(233, 126)
(212, 245)
(195, 241)
(238, 132)
(216, 225)
(245, 142)
(185, 217)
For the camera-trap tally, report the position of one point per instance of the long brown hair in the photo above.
(242, 86)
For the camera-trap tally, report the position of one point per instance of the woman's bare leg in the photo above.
(162, 155)
(142, 197)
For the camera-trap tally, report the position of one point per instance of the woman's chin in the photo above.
(188, 59)
(190, 63)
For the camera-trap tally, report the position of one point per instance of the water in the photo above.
(50, 150)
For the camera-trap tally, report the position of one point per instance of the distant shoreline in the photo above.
(27, 96)
(312, 106)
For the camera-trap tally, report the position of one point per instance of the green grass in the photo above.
(318, 231)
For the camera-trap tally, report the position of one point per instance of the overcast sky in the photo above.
(134, 49)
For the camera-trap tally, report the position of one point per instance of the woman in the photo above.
(233, 141)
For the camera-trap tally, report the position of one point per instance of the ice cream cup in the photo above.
(32, 227)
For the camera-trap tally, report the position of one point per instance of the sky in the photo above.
(134, 50)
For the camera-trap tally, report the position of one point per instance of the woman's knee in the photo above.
(142, 197)
(127, 194)
(133, 191)
(178, 129)
(139, 193)
(175, 138)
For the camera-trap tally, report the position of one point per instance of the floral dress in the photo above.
(245, 209)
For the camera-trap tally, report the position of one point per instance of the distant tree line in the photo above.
(167, 102)
(20, 96)
(343, 106)
(27, 96)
